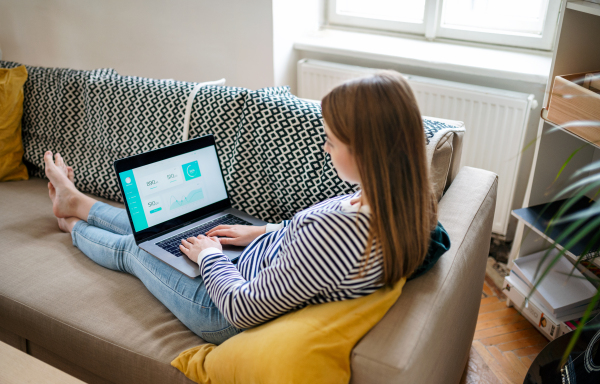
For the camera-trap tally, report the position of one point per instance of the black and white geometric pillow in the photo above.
(270, 142)
(433, 126)
(218, 110)
(278, 165)
(95, 117)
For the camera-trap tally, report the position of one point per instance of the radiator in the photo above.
(495, 120)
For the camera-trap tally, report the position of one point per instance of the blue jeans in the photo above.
(107, 239)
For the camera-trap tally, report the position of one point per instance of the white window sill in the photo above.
(498, 63)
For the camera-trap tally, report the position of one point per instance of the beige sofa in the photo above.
(103, 326)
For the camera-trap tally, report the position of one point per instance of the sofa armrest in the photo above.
(426, 336)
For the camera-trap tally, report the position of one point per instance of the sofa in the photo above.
(103, 326)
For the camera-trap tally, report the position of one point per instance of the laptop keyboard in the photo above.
(171, 244)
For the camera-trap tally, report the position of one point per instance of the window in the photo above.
(520, 23)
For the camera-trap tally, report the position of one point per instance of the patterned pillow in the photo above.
(218, 111)
(270, 142)
(278, 166)
(95, 117)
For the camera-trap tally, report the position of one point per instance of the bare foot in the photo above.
(67, 170)
(61, 189)
(67, 224)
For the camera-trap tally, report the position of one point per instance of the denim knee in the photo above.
(218, 337)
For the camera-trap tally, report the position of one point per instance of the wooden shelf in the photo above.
(544, 117)
(584, 6)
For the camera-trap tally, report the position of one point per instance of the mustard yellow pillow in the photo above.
(311, 345)
(11, 111)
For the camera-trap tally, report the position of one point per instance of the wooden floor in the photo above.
(505, 343)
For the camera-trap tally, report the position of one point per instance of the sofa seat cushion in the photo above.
(58, 299)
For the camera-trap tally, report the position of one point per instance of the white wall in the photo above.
(291, 20)
(190, 40)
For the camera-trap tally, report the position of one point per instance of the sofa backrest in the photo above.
(270, 142)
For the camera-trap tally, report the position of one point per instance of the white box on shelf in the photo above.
(544, 322)
(575, 313)
(558, 292)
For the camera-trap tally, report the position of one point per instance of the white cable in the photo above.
(190, 101)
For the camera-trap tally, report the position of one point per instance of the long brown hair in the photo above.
(377, 117)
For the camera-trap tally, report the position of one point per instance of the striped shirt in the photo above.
(313, 258)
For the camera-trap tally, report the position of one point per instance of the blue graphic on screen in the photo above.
(194, 195)
(134, 202)
(191, 170)
(169, 188)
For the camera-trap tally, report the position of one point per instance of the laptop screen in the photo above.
(168, 189)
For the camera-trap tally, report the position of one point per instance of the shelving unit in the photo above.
(538, 217)
(576, 50)
(564, 130)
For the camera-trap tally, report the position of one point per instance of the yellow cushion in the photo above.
(11, 111)
(311, 345)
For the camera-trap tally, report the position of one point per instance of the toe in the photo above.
(48, 158)
(59, 160)
(49, 168)
(71, 174)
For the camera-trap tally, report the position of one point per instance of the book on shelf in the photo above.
(544, 322)
(562, 290)
(550, 326)
(565, 315)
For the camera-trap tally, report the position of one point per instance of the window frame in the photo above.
(432, 29)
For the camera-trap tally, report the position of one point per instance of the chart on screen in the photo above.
(191, 197)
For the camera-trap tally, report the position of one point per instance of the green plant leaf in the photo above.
(587, 213)
(593, 179)
(567, 162)
(575, 239)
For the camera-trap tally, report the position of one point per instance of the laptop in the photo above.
(177, 192)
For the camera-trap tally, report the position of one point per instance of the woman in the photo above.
(342, 248)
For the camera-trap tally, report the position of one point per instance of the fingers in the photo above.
(227, 241)
(222, 232)
(218, 227)
(183, 249)
(191, 240)
(213, 238)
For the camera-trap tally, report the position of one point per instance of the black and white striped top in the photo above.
(313, 258)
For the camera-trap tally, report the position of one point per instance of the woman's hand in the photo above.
(240, 235)
(192, 246)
